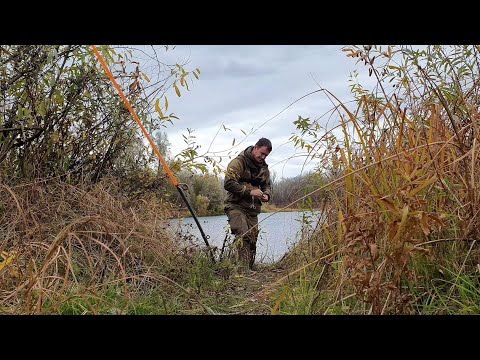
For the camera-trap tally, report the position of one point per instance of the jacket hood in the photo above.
(247, 153)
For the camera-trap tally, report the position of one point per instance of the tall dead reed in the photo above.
(404, 182)
(71, 241)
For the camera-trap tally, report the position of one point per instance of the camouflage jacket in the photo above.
(244, 175)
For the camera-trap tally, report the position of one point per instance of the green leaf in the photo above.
(276, 307)
(157, 108)
(177, 90)
(394, 67)
(58, 97)
(55, 136)
(166, 104)
(20, 113)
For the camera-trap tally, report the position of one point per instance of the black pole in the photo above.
(155, 149)
(196, 220)
(223, 247)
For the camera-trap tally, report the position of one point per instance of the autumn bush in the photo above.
(402, 224)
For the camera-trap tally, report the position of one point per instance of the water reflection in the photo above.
(278, 232)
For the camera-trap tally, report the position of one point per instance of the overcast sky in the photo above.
(244, 86)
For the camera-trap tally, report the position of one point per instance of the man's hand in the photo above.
(264, 198)
(257, 193)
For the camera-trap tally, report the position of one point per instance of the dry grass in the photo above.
(70, 241)
(403, 198)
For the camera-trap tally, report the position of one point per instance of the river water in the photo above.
(278, 231)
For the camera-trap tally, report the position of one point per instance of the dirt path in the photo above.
(253, 292)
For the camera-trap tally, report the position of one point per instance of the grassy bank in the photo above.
(91, 250)
(402, 220)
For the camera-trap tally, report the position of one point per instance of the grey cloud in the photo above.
(245, 85)
(238, 69)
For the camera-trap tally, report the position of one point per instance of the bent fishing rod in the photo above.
(155, 149)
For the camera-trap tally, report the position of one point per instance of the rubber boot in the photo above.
(251, 255)
(242, 254)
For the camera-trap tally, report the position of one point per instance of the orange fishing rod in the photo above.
(145, 133)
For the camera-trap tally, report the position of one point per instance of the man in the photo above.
(247, 181)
